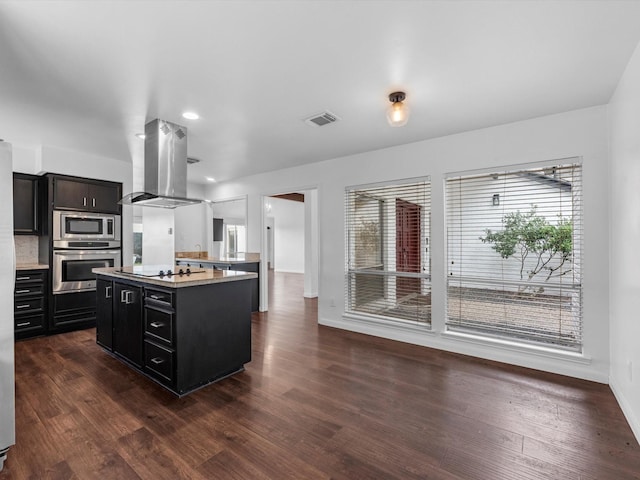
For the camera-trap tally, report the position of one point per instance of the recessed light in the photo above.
(210, 179)
(141, 136)
(191, 115)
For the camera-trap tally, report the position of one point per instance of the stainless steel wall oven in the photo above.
(72, 268)
(83, 241)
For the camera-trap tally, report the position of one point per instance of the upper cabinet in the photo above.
(71, 193)
(26, 204)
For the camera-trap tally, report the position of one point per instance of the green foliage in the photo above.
(528, 235)
(368, 243)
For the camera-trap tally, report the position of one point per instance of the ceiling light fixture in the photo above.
(191, 115)
(210, 179)
(398, 112)
(141, 136)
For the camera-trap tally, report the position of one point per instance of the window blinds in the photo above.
(514, 245)
(387, 258)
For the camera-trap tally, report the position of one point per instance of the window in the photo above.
(514, 246)
(387, 258)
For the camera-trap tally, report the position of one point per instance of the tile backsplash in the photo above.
(26, 249)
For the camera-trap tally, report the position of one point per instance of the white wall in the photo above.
(158, 236)
(311, 243)
(580, 133)
(191, 222)
(624, 209)
(50, 159)
(288, 235)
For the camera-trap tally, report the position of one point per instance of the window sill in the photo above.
(509, 345)
(387, 322)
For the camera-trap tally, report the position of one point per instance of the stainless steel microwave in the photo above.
(86, 227)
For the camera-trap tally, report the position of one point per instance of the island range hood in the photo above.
(165, 168)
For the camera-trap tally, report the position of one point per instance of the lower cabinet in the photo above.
(104, 313)
(127, 322)
(30, 304)
(183, 338)
(71, 311)
(245, 267)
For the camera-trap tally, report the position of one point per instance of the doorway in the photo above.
(408, 230)
(290, 240)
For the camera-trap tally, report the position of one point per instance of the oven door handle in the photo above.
(85, 251)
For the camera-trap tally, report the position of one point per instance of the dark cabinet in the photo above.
(71, 311)
(104, 313)
(30, 303)
(255, 282)
(27, 216)
(182, 338)
(127, 322)
(85, 194)
(159, 326)
(244, 267)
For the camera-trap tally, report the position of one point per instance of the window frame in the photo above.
(574, 288)
(390, 287)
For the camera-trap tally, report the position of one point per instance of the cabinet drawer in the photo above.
(158, 323)
(158, 361)
(158, 297)
(29, 323)
(24, 289)
(28, 305)
(28, 277)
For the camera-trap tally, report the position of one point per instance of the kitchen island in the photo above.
(182, 331)
(248, 262)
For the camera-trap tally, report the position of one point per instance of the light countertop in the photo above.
(205, 277)
(31, 266)
(237, 258)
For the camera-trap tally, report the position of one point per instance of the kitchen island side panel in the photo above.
(213, 332)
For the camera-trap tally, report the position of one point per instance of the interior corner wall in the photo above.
(624, 209)
(580, 133)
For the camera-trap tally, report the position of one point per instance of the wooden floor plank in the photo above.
(314, 403)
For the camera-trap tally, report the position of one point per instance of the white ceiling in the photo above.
(87, 75)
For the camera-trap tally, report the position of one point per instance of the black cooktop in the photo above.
(159, 271)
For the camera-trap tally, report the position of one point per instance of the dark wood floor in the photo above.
(315, 402)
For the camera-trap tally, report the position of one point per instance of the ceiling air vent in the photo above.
(191, 160)
(321, 119)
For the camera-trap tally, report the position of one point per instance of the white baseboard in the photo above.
(626, 408)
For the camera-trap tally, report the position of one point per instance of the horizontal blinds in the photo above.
(514, 244)
(387, 258)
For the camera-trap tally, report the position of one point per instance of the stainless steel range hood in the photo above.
(165, 168)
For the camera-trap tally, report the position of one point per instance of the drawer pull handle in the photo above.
(23, 306)
(107, 292)
(157, 360)
(156, 297)
(23, 278)
(157, 324)
(23, 324)
(23, 291)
